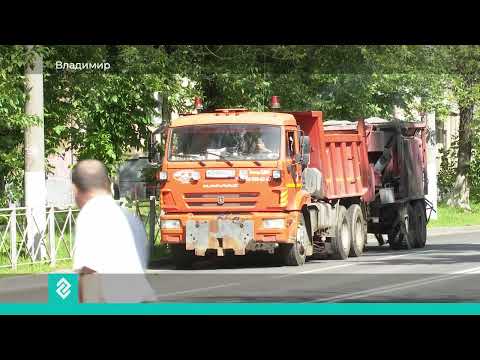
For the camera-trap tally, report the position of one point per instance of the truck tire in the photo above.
(296, 254)
(342, 240)
(420, 224)
(397, 240)
(358, 232)
(182, 259)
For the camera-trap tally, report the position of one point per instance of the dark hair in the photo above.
(89, 175)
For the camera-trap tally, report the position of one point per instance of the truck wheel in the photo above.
(341, 242)
(420, 224)
(296, 254)
(358, 233)
(412, 227)
(182, 259)
(398, 240)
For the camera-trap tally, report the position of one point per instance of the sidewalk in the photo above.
(23, 282)
(437, 231)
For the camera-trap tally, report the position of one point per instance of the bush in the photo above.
(448, 168)
(475, 168)
(447, 171)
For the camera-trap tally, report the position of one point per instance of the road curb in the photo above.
(432, 232)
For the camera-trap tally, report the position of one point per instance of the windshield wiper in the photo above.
(190, 157)
(221, 157)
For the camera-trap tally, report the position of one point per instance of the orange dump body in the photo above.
(341, 156)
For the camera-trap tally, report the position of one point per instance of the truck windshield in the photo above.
(225, 142)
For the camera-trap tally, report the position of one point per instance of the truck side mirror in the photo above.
(305, 149)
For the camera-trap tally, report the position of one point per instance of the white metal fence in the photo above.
(53, 243)
(147, 212)
(56, 241)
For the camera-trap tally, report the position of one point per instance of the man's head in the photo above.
(90, 178)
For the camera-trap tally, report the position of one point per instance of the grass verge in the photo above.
(35, 268)
(453, 217)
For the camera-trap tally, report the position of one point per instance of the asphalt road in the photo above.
(446, 270)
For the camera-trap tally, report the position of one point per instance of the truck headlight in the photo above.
(276, 174)
(273, 223)
(170, 224)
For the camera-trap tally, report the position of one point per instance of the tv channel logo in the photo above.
(63, 288)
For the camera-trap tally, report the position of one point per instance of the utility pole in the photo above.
(35, 187)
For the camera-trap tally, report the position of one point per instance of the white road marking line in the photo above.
(401, 286)
(197, 290)
(359, 262)
(404, 254)
(468, 271)
(322, 269)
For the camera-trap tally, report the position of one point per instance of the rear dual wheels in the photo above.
(350, 234)
(358, 230)
(411, 232)
(402, 236)
(341, 242)
(349, 238)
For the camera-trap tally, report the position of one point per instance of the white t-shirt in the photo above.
(112, 241)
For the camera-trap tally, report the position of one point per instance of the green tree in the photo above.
(13, 121)
(102, 114)
(462, 64)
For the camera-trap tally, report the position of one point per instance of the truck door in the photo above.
(293, 176)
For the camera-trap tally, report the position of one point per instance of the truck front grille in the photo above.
(229, 199)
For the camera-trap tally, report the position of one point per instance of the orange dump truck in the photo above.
(235, 181)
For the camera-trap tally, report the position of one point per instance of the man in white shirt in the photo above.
(111, 248)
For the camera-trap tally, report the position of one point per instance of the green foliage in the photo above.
(343, 81)
(104, 113)
(454, 217)
(13, 119)
(474, 177)
(448, 169)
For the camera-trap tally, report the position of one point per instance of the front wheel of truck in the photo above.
(296, 254)
(182, 259)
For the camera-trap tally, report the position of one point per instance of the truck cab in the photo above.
(231, 182)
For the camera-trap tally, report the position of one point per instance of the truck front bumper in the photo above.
(234, 232)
